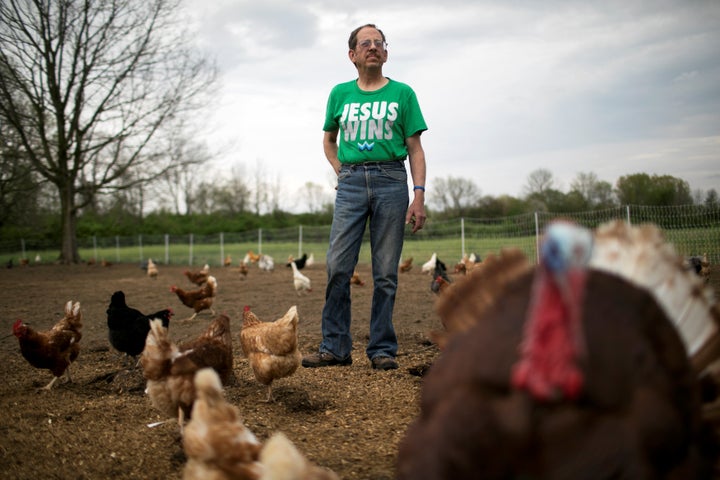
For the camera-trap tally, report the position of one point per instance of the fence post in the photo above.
(259, 241)
(222, 248)
(300, 241)
(117, 248)
(462, 237)
(95, 248)
(537, 239)
(141, 248)
(22, 247)
(627, 209)
(191, 250)
(167, 249)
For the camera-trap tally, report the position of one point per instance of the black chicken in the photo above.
(440, 277)
(128, 327)
(299, 262)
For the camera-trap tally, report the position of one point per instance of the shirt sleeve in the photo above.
(414, 120)
(331, 118)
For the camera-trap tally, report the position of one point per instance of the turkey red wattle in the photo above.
(553, 339)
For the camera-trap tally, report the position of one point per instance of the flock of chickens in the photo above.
(600, 362)
(184, 381)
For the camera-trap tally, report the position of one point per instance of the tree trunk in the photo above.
(69, 252)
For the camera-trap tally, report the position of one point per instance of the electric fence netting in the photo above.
(693, 229)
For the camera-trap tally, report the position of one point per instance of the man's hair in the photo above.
(352, 41)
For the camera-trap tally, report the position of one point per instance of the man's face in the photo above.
(370, 50)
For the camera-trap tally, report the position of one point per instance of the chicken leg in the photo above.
(270, 398)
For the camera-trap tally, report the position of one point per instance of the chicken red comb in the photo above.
(246, 308)
(16, 326)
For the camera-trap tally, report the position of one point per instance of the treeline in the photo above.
(460, 197)
(39, 218)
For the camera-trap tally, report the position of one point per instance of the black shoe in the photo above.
(323, 359)
(384, 363)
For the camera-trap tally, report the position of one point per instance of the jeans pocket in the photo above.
(395, 171)
(345, 172)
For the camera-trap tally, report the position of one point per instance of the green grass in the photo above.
(448, 249)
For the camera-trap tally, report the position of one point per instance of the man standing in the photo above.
(372, 125)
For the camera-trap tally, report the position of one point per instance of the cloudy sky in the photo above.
(506, 86)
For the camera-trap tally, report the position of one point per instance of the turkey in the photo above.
(568, 370)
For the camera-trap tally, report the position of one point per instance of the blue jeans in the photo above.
(376, 193)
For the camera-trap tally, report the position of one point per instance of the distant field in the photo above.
(448, 249)
(693, 229)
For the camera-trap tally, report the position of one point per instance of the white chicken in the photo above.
(266, 262)
(310, 260)
(429, 266)
(301, 282)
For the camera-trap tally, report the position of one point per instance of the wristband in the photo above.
(419, 187)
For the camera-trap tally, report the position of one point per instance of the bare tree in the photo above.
(595, 192)
(275, 193)
(188, 156)
(539, 182)
(314, 196)
(454, 194)
(18, 187)
(260, 191)
(230, 193)
(86, 84)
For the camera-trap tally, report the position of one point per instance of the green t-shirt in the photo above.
(373, 126)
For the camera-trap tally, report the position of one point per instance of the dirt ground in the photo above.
(349, 419)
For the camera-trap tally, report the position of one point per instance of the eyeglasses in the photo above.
(379, 44)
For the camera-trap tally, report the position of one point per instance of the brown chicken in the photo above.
(220, 447)
(406, 265)
(152, 270)
(271, 347)
(460, 267)
(251, 256)
(439, 284)
(243, 271)
(356, 280)
(217, 443)
(562, 372)
(200, 299)
(199, 277)
(467, 263)
(282, 460)
(53, 349)
(169, 369)
(228, 260)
